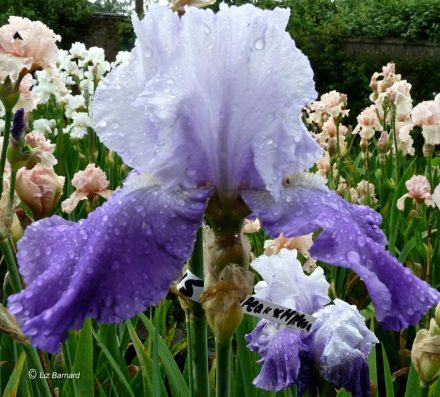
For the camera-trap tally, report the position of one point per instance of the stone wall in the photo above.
(104, 30)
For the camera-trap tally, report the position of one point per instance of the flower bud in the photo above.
(221, 300)
(383, 142)
(40, 189)
(428, 150)
(331, 147)
(227, 280)
(18, 125)
(437, 314)
(425, 355)
(364, 145)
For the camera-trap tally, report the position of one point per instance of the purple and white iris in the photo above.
(338, 343)
(207, 108)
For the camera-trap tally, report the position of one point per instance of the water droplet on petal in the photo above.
(148, 52)
(15, 308)
(115, 265)
(259, 44)
(197, 206)
(32, 331)
(353, 257)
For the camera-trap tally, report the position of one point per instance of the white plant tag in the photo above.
(191, 286)
(282, 315)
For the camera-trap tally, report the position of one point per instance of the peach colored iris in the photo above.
(88, 183)
(40, 188)
(419, 190)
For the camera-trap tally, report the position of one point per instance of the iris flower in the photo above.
(208, 108)
(338, 343)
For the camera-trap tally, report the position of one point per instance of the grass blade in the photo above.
(13, 382)
(175, 378)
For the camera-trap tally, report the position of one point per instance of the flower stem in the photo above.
(35, 363)
(6, 133)
(11, 264)
(223, 367)
(425, 391)
(198, 340)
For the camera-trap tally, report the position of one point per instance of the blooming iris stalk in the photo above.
(337, 346)
(208, 108)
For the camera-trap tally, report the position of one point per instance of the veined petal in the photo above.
(110, 266)
(280, 350)
(231, 85)
(351, 238)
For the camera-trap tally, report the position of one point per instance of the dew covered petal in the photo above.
(119, 120)
(279, 349)
(340, 343)
(232, 84)
(351, 238)
(110, 266)
(285, 283)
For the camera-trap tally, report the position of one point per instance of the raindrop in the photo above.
(115, 265)
(15, 308)
(32, 331)
(353, 257)
(89, 270)
(259, 44)
(148, 52)
(361, 240)
(197, 206)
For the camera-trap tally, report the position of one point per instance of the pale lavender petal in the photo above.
(279, 349)
(340, 343)
(110, 266)
(119, 121)
(285, 283)
(231, 84)
(351, 238)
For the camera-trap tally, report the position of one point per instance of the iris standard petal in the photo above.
(279, 349)
(119, 120)
(351, 238)
(110, 266)
(285, 283)
(231, 85)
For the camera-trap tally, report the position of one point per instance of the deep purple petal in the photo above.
(308, 377)
(354, 378)
(350, 238)
(110, 266)
(279, 349)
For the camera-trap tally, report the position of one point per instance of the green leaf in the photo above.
(387, 374)
(244, 357)
(127, 390)
(175, 378)
(84, 361)
(144, 360)
(12, 385)
(413, 383)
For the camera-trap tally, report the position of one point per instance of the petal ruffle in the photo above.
(340, 342)
(110, 266)
(280, 350)
(285, 283)
(351, 238)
